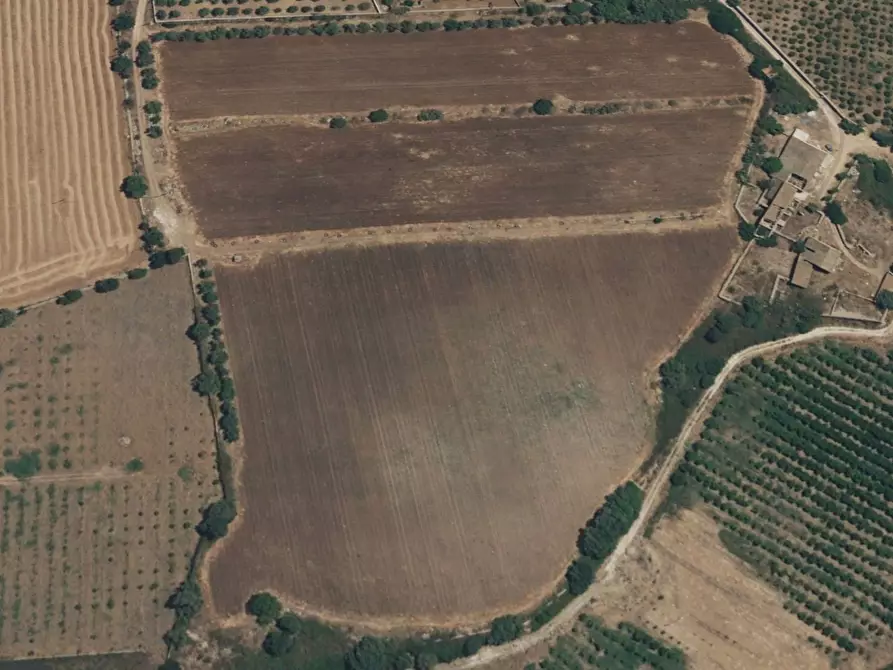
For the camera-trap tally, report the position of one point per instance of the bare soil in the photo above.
(687, 589)
(62, 150)
(427, 426)
(258, 181)
(89, 551)
(354, 73)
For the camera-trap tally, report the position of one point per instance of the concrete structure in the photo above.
(820, 255)
(802, 160)
(802, 273)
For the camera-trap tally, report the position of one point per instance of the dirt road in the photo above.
(566, 618)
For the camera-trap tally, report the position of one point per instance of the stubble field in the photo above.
(98, 394)
(286, 179)
(294, 75)
(426, 427)
(62, 150)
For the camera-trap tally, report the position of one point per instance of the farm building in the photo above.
(820, 255)
(802, 273)
(817, 256)
(803, 161)
(780, 202)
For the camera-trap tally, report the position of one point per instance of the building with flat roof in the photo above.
(820, 255)
(802, 273)
(802, 160)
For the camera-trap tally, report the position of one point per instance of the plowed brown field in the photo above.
(62, 149)
(426, 427)
(269, 180)
(294, 75)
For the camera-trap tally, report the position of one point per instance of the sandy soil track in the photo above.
(62, 151)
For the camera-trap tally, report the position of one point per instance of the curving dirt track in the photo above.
(62, 151)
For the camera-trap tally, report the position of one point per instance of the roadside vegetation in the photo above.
(693, 368)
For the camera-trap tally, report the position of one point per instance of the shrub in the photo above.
(289, 623)
(543, 107)
(504, 629)
(69, 297)
(106, 285)
(378, 116)
(337, 122)
(216, 520)
(772, 164)
(430, 115)
(26, 465)
(122, 65)
(884, 299)
(154, 132)
(264, 607)
(278, 643)
(580, 575)
(7, 318)
(134, 465)
(137, 273)
(835, 214)
(123, 22)
(134, 186)
(198, 331)
(610, 522)
(152, 108)
(206, 383)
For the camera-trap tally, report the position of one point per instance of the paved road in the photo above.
(565, 620)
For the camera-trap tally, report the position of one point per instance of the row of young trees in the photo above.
(214, 382)
(624, 647)
(803, 486)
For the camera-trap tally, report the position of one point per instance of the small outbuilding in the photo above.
(802, 273)
(820, 255)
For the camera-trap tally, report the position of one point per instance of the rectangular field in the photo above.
(62, 150)
(427, 427)
(92, 543)
(301, 75)
(258, 181)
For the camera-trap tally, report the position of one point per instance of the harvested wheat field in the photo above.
(684, 586)
(62, 152)
(257, 181)
(116, 456)
(427, 427)
(356, 73)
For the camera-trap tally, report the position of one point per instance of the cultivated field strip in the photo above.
(257, 181)
(62, 154)
(96, 536)
(357, 73)
(88, 566)
(795, 460)
(426, 427)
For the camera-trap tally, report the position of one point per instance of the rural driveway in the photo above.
(565, 619)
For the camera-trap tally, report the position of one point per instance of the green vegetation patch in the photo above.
(876, 183)
(597, 645)
(795, 465)
(686, 375)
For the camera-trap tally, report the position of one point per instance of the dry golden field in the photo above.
(62, 150)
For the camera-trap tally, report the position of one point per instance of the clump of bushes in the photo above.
(378, 116)
(430, 115)
(543, 107)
